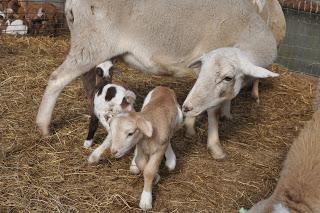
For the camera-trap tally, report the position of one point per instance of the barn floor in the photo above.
(51, 174)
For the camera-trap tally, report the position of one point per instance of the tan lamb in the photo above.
(150, 131)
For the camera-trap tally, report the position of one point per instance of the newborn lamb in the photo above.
(150, 131)
(109, 100)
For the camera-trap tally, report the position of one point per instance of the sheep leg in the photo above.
(214, 145)
(58, 80)
(96, 154)
(189, 124)
(225, 110)
(94, 122)
(255, 90)
(171, 159)
(150, 173)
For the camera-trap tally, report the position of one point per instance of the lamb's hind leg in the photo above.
(61, 77)
(89, 84)
(170, 158)
(92, 130)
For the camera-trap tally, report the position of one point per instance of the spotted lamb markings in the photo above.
(100, 87)
(111, 92)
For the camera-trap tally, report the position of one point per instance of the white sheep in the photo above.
(150, 131)
(16, 27)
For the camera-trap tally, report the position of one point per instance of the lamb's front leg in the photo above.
(214, 145)
(150, 173)
(103, 121)
(96, 154)
(133, 167)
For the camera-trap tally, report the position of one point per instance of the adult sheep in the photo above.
(223, 41)
(298, 188)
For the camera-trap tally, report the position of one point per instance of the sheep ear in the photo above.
(260, 4)
(145, 127)
(257, 72)
(197, 64)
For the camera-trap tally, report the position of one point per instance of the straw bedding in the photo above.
(52, 174)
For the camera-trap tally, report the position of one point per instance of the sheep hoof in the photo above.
(146, 201)
(87, 144)
(44, 129)
(217, 153)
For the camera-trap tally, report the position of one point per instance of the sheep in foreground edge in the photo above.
(298, 189)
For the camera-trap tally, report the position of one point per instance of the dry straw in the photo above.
(52, 174)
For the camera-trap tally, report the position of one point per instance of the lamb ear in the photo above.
(145, 127)
(257, 72)
(130, 97)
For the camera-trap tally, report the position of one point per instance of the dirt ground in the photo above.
(52, 174)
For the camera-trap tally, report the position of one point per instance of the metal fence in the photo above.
(32, 17)
(300, 50)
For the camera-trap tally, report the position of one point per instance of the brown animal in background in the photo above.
(40, 16)
(304, 5)
(298, 189)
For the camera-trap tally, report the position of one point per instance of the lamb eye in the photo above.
(228, 78)
(131, 133)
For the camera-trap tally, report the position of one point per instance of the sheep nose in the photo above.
(186, 109)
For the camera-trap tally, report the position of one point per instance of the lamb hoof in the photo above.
(87, 144)
(156, 179)
(134, 170)
(146, 201)
(94, 158)
(171, 163)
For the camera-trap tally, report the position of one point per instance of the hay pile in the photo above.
(51, 174)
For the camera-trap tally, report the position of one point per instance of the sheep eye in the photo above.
(131, 133)
(228, 78)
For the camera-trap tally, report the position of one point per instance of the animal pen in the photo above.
(51, 173)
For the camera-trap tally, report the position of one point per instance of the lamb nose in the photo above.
(187, 109)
